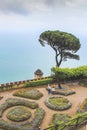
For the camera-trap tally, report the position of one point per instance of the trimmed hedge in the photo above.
(70, 73)
(15, 102)
(39, 82)
(39, 115)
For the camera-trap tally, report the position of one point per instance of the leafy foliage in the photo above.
(70, 73)
(64, 44)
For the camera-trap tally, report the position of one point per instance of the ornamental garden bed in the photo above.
(35, 123)
(60, 118)
(65, 92)
(10, 102)
(31, 94)
(58, 103)
(18, 111)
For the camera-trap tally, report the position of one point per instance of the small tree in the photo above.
(64, 44)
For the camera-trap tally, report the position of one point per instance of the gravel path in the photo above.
(81, 93)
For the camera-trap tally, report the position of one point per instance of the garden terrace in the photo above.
(46, 119)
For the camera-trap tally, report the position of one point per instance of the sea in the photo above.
(21, 55)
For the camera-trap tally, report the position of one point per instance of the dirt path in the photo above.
(81, 93)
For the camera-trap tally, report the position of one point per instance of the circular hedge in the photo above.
(14, 106)
(19, 113)
(32, 94)
(58, 103)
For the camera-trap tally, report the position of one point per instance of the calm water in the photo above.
(21, 55)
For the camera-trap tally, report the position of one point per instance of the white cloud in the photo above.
(25, 7)
(43, 14)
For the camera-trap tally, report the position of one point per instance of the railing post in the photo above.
(56, 126)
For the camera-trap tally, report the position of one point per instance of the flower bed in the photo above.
(15, 102)
(32, 94)
(58, 103)
(60, 118)
(65, 92)
(39, 115)
(19, 113)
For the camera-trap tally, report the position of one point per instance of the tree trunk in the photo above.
(57, 64)
(59, 85)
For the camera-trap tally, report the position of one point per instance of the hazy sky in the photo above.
(36, 16)
(33, 15)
